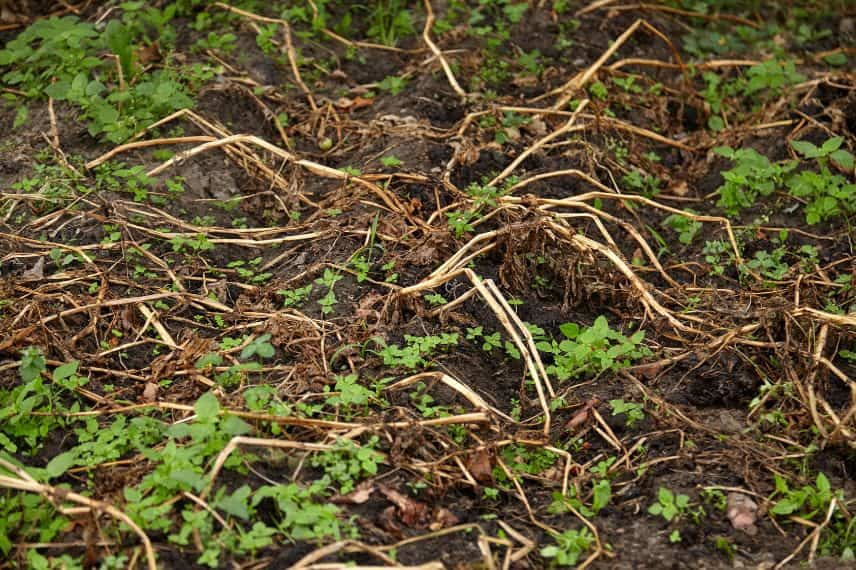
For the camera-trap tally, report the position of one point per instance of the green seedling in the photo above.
(686, 227)
(647, 185)
(632, 411)
(295, 297)
(669, 505)
(591, 350)
(752, 176)
(347, 463)
(570, 546)
(416, 350)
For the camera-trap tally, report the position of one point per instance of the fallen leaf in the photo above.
(512, 133)
(149, 54)
(582, 414)
(358, 496)
(742, 511)
(525, 81)
(465, 152)
(480, 466)
(386, 521)
(443, 518)
(150, 392)
(411, 512)
(348, 104)
(36, 272)
(423, 255)
(536, 127)
(680, 188)
(648, 371)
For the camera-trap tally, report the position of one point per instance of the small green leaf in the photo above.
(806, 149)
(836, 59)
(207, 407)
(715, 123)
(60, 464)
(237, 503)
(823, 483)
(65, 370)
(843, 158)
(832, 144)
(785, 507)
(20, 117)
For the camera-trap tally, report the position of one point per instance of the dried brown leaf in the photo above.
(36, 272)
(150, 392)
(480, 466)
(582, 415)
(358, 496)
(443, 518)
(411, 512)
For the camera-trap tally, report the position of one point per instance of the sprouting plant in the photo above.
(632, 411)
(598, 90)
(196, 243)
(725, 546)
(38, 391)
(259, 346)
(349, 392)
(771, 75)
(303, 516)
(829, 150)
(828, 194)
(714, 95)
(483, 196)
(647, 185)
(669, 505)
(715, 498)
(328, 279)
(525, 459)
(391, 161)
(770, 264)
(216, 41)
(809, 501)
(425, 403)
(460, 221)
(435, 299)
(601, 494)
(628, 84)
(489, 341)
(686, 227)
(347, 464)
(393, 85)
(56, 185)
(752, 175)
(295, 297)
(594, 349)
(390, 20)
(416, 349)
(352, 171)
(247, 270)
(362, 265)
(570, 546)
(530, 61)
(714, 251)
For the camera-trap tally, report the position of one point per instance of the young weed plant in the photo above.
(592, 350)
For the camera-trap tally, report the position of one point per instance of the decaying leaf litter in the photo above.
(494, 284)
